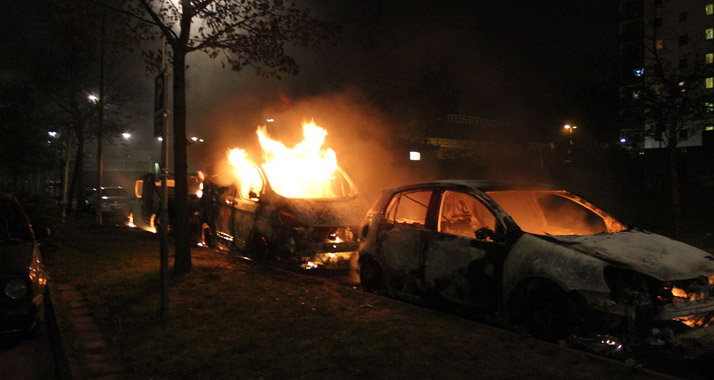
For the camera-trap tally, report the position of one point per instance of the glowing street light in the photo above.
(126, 135)
(569, 128)
(93, 98)
(52, 133)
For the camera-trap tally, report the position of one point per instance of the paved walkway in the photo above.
(89, 355)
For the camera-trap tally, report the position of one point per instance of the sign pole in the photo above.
(161, 122)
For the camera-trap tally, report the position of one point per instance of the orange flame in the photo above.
(304, 171)
(677, 292)
(307, 170)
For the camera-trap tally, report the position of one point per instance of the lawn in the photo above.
(233, 319)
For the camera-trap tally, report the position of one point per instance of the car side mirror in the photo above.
(43, 233)
(253, 196)
(485, 233)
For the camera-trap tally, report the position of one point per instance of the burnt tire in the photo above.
(546, 311)
(371, 276)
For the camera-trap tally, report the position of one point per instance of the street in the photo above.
(29, 359)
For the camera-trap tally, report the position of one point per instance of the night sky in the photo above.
(534, 65)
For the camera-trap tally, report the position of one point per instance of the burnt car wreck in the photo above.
(250, 216)
(540, 257)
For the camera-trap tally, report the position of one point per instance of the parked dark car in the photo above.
(540, 256)
(115, 199)
(307, 232)
(22, 274)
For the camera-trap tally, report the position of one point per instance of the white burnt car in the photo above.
(255, 217)
(542, 256)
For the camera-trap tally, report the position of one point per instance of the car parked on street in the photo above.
(22, 275)
(539, 256)
(115, 199)
(251, 216)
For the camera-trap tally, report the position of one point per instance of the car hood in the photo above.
(654, 255)
(15, 258)
(318, 212)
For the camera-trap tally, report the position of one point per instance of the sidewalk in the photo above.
(233, 319)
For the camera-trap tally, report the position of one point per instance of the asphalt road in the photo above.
(27, 359)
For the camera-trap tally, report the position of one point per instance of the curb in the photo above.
(79, 348)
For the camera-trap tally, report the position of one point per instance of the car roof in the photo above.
(481, 185)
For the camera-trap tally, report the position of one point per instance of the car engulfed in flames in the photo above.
(298, 207)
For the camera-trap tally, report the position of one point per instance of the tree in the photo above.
(677, 100)
(243, 33)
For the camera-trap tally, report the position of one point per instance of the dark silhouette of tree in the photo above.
(242, 33)
(676, 99)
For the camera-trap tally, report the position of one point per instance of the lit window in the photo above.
(709, 106)
(709, 33)
(709, 128)
(641, 71)
(709, 58)
(709, 9)
(709, 82)
(659, 45)
(414, 156)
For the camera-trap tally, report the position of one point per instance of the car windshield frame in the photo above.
(347, 187)
(527, 209)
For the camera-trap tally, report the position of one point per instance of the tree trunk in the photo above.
(182, 258)
(76, 190)
(675, 190)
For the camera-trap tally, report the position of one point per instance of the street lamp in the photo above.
(126, 135)
(93, 98)
(569, 128)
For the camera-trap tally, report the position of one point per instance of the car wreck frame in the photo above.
(264, 225)
(607, 278)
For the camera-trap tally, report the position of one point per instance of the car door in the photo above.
(224, 216)
(246, 204)
(402, 235)
(463, 260)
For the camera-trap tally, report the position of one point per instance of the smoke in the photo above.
(358, 132)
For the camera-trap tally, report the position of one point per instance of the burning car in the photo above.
(545, 258)
(297, 207)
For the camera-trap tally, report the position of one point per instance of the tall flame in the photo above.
(305, 171)
(247, 173)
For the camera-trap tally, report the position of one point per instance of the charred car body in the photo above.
(544, 257)
(22, 276)
(252, 216)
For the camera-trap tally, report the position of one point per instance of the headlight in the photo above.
(16, 288)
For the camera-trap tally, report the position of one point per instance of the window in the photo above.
(682, 16)
(709, 58)
(682, 63)
(709, 82)
(709, 33)
(683, 39)
(659, 45)
(462, 214)
(409, 209)
(709, 106)
(709, 128)
(709, 9)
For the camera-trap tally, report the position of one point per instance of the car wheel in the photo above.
(370, 275)
(546, 311)
(258, 247)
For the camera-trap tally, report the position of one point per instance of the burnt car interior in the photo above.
(546, 212)
(463, 215)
